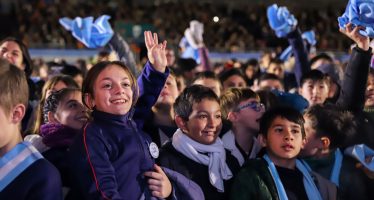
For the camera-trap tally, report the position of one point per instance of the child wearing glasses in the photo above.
(278, 174)
(196, 151)
(242, 107)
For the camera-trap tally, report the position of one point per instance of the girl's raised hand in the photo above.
(156, 52)
(158, 182)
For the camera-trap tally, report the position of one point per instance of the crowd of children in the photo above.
(124, 134)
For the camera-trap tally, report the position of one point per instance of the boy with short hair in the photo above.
(233, 77)
(24, 173)
(314, 87)
(269, 82)
(279, 175)
(196, 151)
(242, 107)
(208, 79)
(328, 130)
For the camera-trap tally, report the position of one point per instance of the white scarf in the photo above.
(215, 158)
(228, 140)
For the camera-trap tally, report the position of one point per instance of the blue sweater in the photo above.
(109, 159)
(40, 181)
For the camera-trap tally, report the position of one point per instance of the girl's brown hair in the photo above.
(67, 80)
(93, 73)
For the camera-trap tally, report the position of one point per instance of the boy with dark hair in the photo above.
(242, 107)
(208, 79)
(327, 131)
(314, 87)
(232, 78)
(196, 151)
(24, 173)
(277, 67)
(269, 82)
(279, 175)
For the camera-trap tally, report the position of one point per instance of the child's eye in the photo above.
(218, 116)
(202, 116)
(73, 105)
(295, 131)
(107, 86)
(278, 130)
(126, 85)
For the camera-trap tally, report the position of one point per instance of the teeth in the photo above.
(118, 101)
(83, 119)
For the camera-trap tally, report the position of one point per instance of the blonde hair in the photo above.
(13, 86)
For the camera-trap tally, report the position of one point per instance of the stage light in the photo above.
(216, 19)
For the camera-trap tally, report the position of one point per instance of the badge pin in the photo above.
(153, 149)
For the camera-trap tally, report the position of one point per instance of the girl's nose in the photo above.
(119, 89)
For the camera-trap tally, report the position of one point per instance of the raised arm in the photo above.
(123, 51)
(352, 95)
(302, 64)
(152, 79)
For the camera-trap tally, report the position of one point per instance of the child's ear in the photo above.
(303, 142)
(232, 117)
(18, 113)
(325, 142)
(180, 123)
(299, 90)
(262, 139)
(51, 117)
(88, 100)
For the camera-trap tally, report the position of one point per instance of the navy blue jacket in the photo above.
(109, 159)
(40, 181)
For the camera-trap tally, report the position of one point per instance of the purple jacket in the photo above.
(108, 160)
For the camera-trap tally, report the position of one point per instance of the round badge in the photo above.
(153, 149)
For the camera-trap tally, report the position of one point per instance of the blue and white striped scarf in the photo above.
(17, 160)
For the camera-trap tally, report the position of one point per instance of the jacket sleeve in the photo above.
(93, 173)
(352, 94)
(150, 84)
(302, 64)
(122, 48)
(183, 188)
(326, 188)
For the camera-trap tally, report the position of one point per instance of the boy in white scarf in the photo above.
(195, 150)
(279, 175)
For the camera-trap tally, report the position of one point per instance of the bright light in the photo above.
(216, 19)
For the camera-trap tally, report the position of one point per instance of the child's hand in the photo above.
(368, 173)
(158, 182)
(156, 51)
(353, 33)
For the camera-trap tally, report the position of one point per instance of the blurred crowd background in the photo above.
(230, 26)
